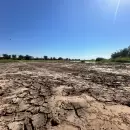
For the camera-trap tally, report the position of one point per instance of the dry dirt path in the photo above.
(40, 97)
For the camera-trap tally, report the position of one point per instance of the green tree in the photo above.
(27, 57)
(60, 58)
(9, 56)
(21, 57)
(6, 56)
(14, 57)
(45, 57)
(100, 59)
(54, 58)
(122, 53)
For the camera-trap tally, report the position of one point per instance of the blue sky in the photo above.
(68, 28)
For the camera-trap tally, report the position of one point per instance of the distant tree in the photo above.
(100, 59)
(82, 61)
(14, 57)
(124, 52)
(1, 58)
(6, 56)
(45, 57)
(21, 57)
(9, 56)
(27, 57)
(60, 58)
(115, 55)
(128, 51)
(121, 53)
(36, 58)
(54, 58)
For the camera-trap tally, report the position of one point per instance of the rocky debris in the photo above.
(39, 120)
(28, 124)
(16, 126)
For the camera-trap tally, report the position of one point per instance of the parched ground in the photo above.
(64, 96)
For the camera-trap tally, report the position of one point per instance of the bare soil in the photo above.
(64, 96)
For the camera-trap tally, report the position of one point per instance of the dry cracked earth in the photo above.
(64, 96)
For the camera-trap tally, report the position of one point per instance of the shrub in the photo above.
(100, 59)
(82, 61)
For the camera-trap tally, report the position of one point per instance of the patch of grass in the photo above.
(92, 60)
(11, 60)
(8, 61)
(121, 60)
(116, 60)
(43, 61)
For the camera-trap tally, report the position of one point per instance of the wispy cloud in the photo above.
(116, 12)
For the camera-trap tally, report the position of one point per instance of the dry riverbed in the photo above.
(64, 96)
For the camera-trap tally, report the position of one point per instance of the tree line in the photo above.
(28, 57)
(123, 53)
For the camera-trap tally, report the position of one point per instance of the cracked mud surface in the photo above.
(64, 96)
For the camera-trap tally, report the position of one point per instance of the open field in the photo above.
(12, 61)
(64, 96)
